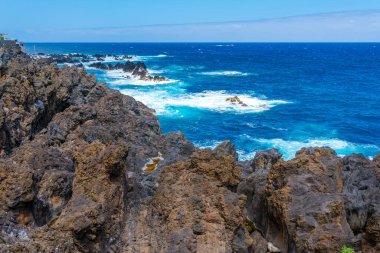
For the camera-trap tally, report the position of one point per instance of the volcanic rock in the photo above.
(73, 178)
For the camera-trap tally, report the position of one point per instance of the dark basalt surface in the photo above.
(73, 155)
(137, 69)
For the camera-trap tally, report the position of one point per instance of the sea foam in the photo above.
(224, 73)
(208, 100)
(288, 148)
(119, 77)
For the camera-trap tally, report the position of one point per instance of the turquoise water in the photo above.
(297, 95)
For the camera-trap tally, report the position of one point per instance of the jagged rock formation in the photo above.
(194, 209)
(72, 179)
(72, 153)
(316, 202)
(137, 69)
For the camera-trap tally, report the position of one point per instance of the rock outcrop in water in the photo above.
(236, 100)
(137, 69)
(73, 178)
(134, 69)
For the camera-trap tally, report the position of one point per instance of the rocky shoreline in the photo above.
(84, 168)
(133, 69)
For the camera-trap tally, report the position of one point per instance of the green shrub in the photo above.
(346, 249)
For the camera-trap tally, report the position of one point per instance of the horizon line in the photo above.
(202, 42)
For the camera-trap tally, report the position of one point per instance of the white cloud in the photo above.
(359, 26)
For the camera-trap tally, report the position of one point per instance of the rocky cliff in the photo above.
(86, 169)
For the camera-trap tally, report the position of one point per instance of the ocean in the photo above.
(297, 94)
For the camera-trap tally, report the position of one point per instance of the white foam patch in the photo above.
(212, 144)
(244, 156)
(155, 71)
(289, 148)
(217, 101)
(111, 59)
(148, 57)
(208, 100)
(224, 73)
(65, 64)
(119, 77)
(225, 45)
(255, 126)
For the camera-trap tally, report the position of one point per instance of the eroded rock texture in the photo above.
(86, 169)
(71, 169)
(316, 202)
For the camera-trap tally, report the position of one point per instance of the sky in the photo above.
(191, 20)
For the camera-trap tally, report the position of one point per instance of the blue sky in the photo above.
(191, 20)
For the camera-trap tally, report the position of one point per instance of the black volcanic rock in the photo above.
(137, 69)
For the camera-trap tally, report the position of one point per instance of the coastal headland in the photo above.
(84, 168)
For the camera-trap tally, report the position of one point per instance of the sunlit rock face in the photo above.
(86, 169)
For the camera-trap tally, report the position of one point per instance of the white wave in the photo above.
(225, 45)
(111, 59)
(217, 101)
(66, 64)
(155, 71)
(148, 57)
(245, 156)
(212, 144)
(119, 77)
(208, 100)
(224, 73)
(255, 126)
(289, 148)
(207, 144)
(155, 98)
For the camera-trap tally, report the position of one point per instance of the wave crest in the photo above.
(216, 101)
(288, 148)
(224, 73)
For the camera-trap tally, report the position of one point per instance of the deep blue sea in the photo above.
(297, 95)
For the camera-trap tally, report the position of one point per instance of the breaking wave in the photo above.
(224, 73)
